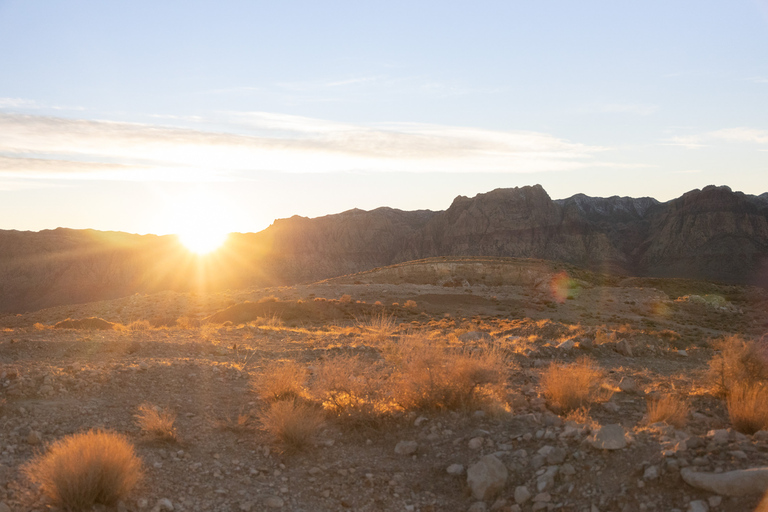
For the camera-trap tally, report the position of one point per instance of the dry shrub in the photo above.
(572, 386)
(186, 323)
(157, 422)
(431, 376)
(294, 424)
(410, 304)
(139, 325)
(84, 469)
(738, 362)
(351, 390)
(345, 299)
(669, 409)
(281, 380)
(748, 407)
(39, 327)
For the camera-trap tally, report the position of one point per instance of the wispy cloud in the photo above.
(39, 146)
(739, 135)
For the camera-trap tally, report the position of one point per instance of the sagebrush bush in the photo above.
(738, 362)
(81, 470)
(431, 376)
(572, 386)
(669, 409)
(294, 424)
(351, 390)
(156, 422)
(748, 407)
(281, 380)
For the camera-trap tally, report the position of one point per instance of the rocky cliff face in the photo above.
(713, 233)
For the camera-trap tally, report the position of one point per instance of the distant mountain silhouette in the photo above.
(712, 234)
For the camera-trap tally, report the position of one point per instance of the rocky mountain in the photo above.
(713, 233)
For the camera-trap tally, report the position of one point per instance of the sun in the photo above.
(200, 219)
(202, 241)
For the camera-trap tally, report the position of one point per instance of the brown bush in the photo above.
(281, 380)
(433, 377)
(572, 386)
(351, 390)
(738, 362)
(668, 409)
(84, 469)
(156, 422)
(294, 424)
(748, 407)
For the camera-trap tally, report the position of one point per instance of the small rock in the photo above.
(274, 502)
(698, 506)
(478, 506)
(163, 504)
(542, 497)
(651, 473)
(721, 436)
(624, 347)
(682, 353)
(487, 477)
(45, 390)
(406, 447)
(567, 470)
(4, 507)
(499, 504)
(455, 469)
(628, 385)
(566, 345)
(714, 501)
(34, 438)
(475, 443)
(609, 437)
(522, 494)
(420, 420)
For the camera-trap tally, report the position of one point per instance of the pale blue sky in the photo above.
(139, 116)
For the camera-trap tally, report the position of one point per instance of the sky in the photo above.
(152, 117)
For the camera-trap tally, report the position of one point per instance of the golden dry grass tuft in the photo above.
(81, 470)
(293, 424)
(432, 376)
(748, 407)
(572, 386)
(669, 409)
(379, 328)
(281, 380)
(157, 422)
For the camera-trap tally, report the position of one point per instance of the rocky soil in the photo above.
(649, 340)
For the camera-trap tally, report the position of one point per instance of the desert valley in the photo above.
(511, 353)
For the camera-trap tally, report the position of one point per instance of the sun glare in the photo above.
(202, 241)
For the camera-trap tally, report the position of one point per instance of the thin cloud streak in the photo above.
(740, 135)
(92, 149)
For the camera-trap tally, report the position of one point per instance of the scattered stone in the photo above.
(4, 507)
(567, 470)
(420, 420)
(475, 443)
(522, 494)
(478, 506)
(499, 504)
(721, 436)
(624, 347)
(274, 502)
(406, 447)
(609, 437)
(455, 469)
(651, 473)
(547, 480)
(714, 501)
(731, 483)
(487, 477)
(34, 438)
(628, 385)
(163, 504)
(567, 345)
(698, 506)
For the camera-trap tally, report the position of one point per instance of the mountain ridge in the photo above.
(712, 234)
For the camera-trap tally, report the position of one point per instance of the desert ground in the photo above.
(382, 436)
